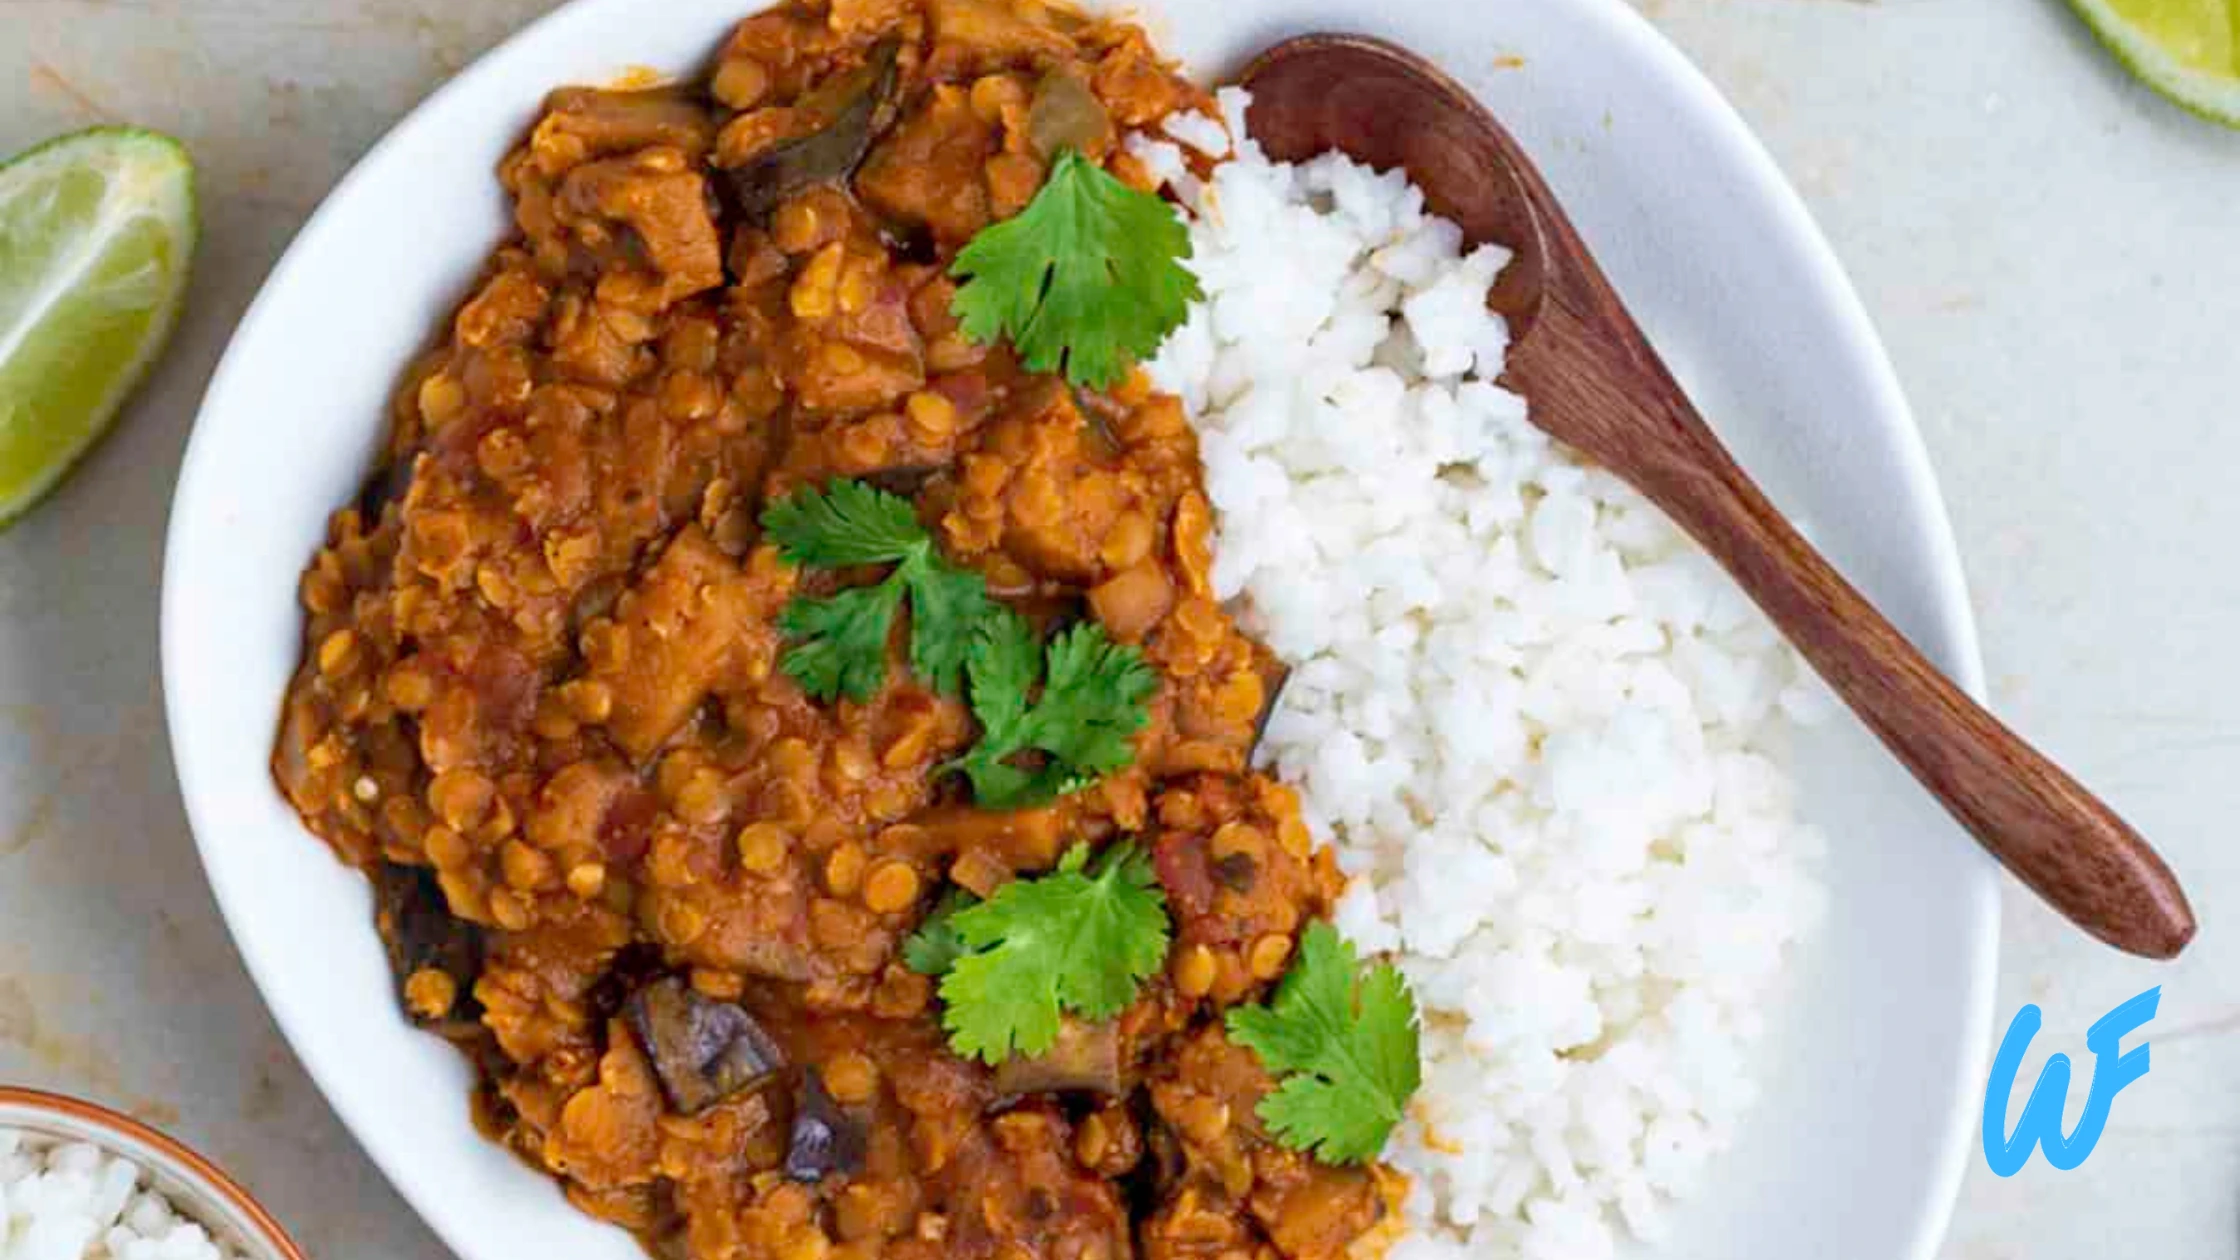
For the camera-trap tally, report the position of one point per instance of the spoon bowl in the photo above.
(1389, 109)
(1595, 383)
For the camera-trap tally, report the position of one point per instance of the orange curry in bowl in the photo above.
(735, 653)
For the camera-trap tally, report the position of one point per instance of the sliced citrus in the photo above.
(2188, 50)
(97, 231)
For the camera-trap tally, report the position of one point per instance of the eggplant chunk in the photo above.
(703, 1051)
(434, 955)
(1086, 1058)
(848, 112)
(387, 485)
(1067, 115)
(826, 1140)
(1273, 675)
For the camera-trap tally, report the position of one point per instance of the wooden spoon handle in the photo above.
(2055, 836)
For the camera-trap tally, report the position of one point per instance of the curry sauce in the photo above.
(656, 890)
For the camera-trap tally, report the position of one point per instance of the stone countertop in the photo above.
(2047, 248)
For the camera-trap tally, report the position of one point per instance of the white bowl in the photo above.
(195, 1186)
(1857, 1148)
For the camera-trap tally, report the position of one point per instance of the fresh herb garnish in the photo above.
(935, 946)
(1093, 690)
(1346, 1045)
(1088, 277)
(1080, 939)
(1083, 723)
(841, 639)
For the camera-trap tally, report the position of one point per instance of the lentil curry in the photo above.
(657, 889)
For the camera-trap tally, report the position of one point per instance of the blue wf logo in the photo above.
(2112, 1069)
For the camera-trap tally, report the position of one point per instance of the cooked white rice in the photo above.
(1542, 728)
(72, 1201)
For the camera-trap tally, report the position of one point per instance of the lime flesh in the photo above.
(97, 232)
(2188, 50)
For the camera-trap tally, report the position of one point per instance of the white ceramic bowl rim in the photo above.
(213, 793)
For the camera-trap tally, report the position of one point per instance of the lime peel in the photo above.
(2175, 49)
(97, 237)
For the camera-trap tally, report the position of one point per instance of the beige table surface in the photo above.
(2052, 255)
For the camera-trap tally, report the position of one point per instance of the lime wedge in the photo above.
(2188, 50)
(96, 233)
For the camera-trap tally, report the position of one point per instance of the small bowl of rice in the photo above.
(80, 1182)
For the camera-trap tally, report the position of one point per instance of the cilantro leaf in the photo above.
(843, 647)
(1003, 664)
(843, 637)
(1088, 277)
(1078, 939)
(1092, 702)
(935, 946)
(1346, 1044)
(947, 607)
(847, 522)
(1084, 723)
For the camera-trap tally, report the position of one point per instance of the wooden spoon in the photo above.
(1595, 383)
